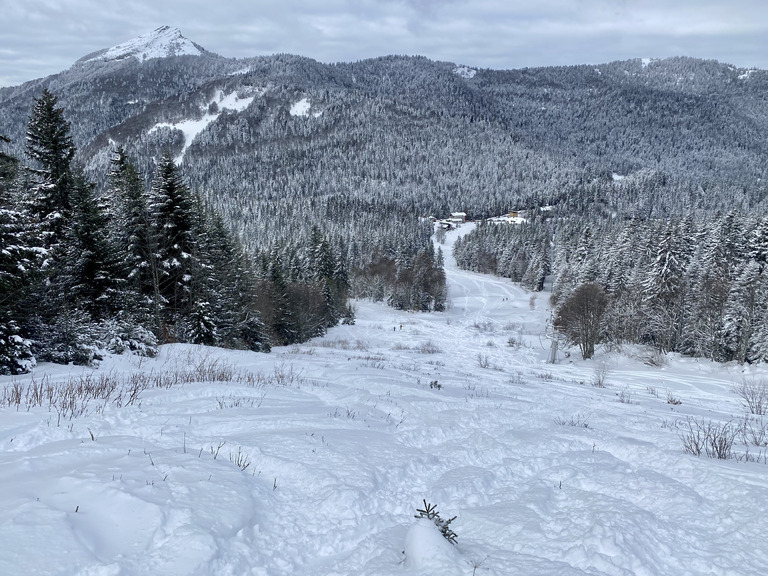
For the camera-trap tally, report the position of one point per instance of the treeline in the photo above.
(697, 285)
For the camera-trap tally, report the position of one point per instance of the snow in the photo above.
(427, 552)
(645, 62)
(747, 74)
(160, 43)
(300, 108)
(315, 460)
(465, 71)
(617, 177)
(507, 219)
(191, 128)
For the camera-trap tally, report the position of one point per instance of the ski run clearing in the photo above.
(313, 460)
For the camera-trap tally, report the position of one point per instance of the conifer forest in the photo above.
(245, 202)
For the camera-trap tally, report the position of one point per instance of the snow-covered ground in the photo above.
(312, 460)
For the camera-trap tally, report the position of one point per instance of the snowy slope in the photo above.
(191, 128)
(160, 43)
(312, 460)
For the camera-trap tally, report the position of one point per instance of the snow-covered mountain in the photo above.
(163, 42)
(413, 134)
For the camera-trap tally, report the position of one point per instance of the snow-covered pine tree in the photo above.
(665, 290)
(132, 230)
(18, 262)
(740, 319)
(51, 150)
(90, 273)
(171, 208)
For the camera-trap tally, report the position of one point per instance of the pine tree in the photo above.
(51, 150)
(282, 322)
(18, 262)
(132, 230)
(742, 313)
(665, 290)
(758, 244)
(438, 282)
(171, 208)
(90, 272)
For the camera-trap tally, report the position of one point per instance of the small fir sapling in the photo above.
(430, 512)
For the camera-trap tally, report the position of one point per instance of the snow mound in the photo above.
(160, 43)
(465, 71)
(428, 552)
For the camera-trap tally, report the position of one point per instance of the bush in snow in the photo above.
(430, 513)
(580, 317)
(70, 337)
(120, 335)
(712, 438)
(755, 395)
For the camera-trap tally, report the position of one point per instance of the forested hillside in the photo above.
(299, 158)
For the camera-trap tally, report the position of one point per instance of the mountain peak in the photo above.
(160, 43)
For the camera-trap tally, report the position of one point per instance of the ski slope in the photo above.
(312, 460)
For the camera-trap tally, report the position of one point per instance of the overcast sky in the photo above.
(42, 37)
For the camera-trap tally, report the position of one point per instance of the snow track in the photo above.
(316, 466)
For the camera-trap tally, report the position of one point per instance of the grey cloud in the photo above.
(40, 37)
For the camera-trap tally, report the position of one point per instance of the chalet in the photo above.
(458, 216)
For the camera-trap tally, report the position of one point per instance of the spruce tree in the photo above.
(171, 208)
(132, 230)
(90, 264)
(18, 261)
(51, 151)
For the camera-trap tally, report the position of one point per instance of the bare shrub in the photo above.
(755, 395)
(485, 327)
(694, 438)
(483, 361)
(577, 420)
(754, 430)
(373, 361)
(625, 396)
(241, 459)
(600, 375)
(283, 375)
(429, 347)
(712, 438)
(654, 357)
(672, 399)
(339, 343)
